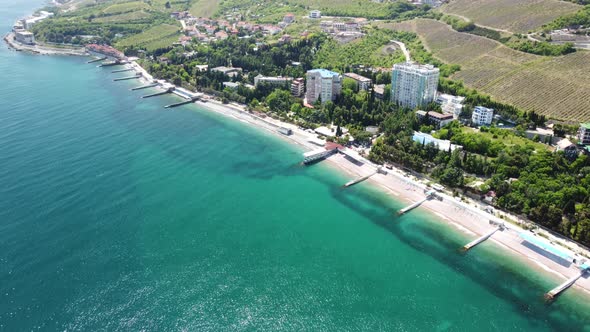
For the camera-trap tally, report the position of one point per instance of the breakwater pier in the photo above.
(97, 60)
(122, 70)
(555, 292)
(144, 87)
(192, 100)
(169, 90)
(363, 178)
(134, 77)
(482, 238)
(408, 208)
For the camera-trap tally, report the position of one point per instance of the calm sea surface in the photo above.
(116, 214)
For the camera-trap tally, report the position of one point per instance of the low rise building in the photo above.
(379, 90)
(315, 14)
(231, 85)
(277, 81)
(482, 116)
(450, 104)
(298, 87)
(570, 150)
(362, 83)
(584, 133)
(443, 145)
(24, 37)
(440, 120)
(229, 71)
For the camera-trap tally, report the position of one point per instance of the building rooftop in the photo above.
(357, 77)
(416, 66)
(443, 145)
(324, 73)
(440, 116)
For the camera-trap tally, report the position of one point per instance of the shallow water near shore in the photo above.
(117, 214)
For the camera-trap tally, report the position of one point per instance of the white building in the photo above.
(278, 81)
(29, 22)
(443, 145)
(450, 104)
(584, 133)
(413, 85)
(315, 14)
(324, 84)
(362, 83)
(24, 37)
(482, 116)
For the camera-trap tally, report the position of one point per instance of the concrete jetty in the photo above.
(136, 76)
(97, 60)
(122, 70)
(482, 238)
(362, 178)
(159, 93)
(316, 155)
(416, 204)
(144, 87)
(110, 64)
(192, 100)
(554, 293)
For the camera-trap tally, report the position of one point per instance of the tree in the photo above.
(279, 101)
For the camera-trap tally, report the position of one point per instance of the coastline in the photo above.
(42, 49)
(463, 217)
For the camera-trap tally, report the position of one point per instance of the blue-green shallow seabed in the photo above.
(116, 214)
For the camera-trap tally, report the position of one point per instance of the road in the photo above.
(404, 49)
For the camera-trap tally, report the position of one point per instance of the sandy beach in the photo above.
(466, 215)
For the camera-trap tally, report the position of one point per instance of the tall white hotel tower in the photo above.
(413, 85)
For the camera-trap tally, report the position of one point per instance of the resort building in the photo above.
(440, 120)
(231, 85)
(413, 85)
(569, 149)
(229, 71)
(584, 133)
(482, 116)
(24, 37)
(379, 90)
(362, 83)
(450, 104)
(323, 84)
(315, 14)
(443, 145)
(298, 87)
(276, 81)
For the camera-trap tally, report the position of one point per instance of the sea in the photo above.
(119, 215)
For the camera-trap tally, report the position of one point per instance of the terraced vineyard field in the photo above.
(518, 16)
(557, 87)
(156, 37)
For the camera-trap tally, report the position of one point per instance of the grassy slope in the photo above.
(204, 8)
(518, 16)
(557, 87)
(153, 38)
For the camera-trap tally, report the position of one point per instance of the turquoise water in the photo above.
(116, 214)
